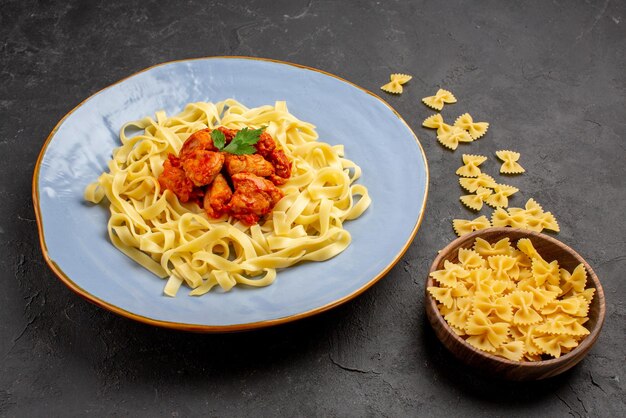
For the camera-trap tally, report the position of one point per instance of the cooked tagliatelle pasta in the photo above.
(179, 242)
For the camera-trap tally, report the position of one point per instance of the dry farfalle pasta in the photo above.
(437, 101)
(475, 201)
(395, 85)
(531, 217)
(451, 137)
(510, 164)
(464, 226)
(436, 122)
(472, 184)
(475, 129)
(470, 165)
(511, 302)
(500, 196)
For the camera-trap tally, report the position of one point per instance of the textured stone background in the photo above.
(549, 76)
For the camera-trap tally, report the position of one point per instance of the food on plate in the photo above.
(221, 194)
(205, 155)
(511, 302)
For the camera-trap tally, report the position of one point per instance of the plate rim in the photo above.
(181, 326)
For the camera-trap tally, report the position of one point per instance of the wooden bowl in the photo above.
(550, 249)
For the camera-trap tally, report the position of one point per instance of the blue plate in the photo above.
(73, 233)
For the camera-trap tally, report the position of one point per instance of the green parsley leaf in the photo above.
(219, 140)
(243, 142)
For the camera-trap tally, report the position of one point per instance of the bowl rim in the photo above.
(585, 344)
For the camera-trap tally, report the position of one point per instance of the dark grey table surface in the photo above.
(549, 76)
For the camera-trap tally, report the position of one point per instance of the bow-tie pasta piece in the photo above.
(500, 196)
(502, 265)
(555, 344)
(512, 350)
(472, 184)
(526, 246)
(480, 281)
(575, 281)
(533, 208)
(484, 333)
(450, 273)
(458, 318)
(485, 249)
(470, 167)
(496, 306)
(470, 259)
(475, 201)
(541, 297)
(436, 122)
(561, 324)
(510, 164)
(395, 85)
(463, 226)
(437, 101)
(575, 306)
(548, 221)
(475, 129)
(501, 217)
(525, 334)
(446, 295)
(522, 305)
(452, 137)
(545, 272)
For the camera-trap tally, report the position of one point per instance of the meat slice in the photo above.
(282, 166)
(265, 145)
(202, 166)
(174, 178)
(217, 197)
(254, 197)
(199, 140)
(248, 163)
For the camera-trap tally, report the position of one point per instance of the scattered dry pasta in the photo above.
(511, 302)
(451, 136)
(472, 184)
(531, 217)
(436, 122)
(475, 129)
(437, 101)
(510, 164)
(500, 196)
(475, 201)
(395, 85)
(470, 167)
(464, 226)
